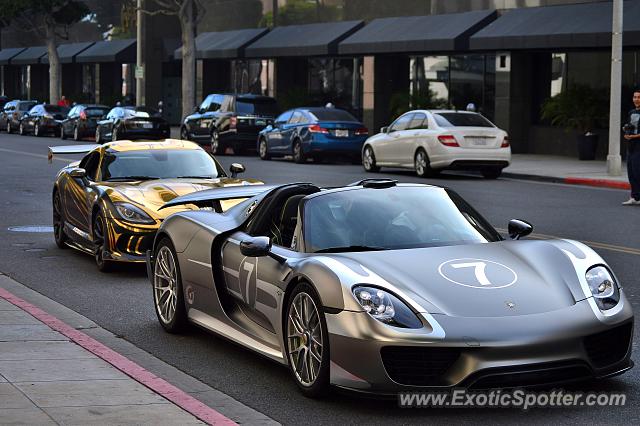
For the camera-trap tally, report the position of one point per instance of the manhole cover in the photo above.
(32, 228)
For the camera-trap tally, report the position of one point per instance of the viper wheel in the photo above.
(76, 133)
(100, 239)
(58, 222)
(63, 136)
(184, 135)
(36, 130)
(168, 297)
(114, 134)
(263, 150)
(423, 165)
(9, 129)
(307, 341)
(369, 160)
(98, 136)
(298, 155)
(21, 130)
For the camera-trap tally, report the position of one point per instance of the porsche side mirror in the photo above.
(384, 129)
(519, 228)
(255, 246)
(235, 169)
(259, 247)
(78, 173)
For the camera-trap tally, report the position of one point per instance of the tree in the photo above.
(50, 20)
(189, 13)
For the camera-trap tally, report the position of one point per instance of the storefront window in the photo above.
(558, 72)
(337, 81)
(252, 76)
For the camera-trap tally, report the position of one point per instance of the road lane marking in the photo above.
(31, 154)
(592, 244)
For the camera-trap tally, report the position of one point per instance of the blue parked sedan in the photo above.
(313, 133)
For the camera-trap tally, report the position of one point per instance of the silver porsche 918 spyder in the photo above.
(382, 287)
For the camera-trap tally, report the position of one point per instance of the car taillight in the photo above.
(315, 128)
(448, 140)
(233, 122)
(362, 131)
(505, 142)
(83, 115)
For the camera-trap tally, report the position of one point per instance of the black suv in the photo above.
(229, 120)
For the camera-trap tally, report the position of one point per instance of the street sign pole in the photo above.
(614, 161)
(139, 72)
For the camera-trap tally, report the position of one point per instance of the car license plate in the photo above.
(340, 133)
(479, 141)
(147, 125)
(261, 123)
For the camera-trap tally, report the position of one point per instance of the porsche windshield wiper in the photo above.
(112, 179)
(350, 248)
(195, 177)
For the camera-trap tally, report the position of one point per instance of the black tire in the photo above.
(178, 322)
(76, 134)
(298, 155)
(21, 130)
(63, 135)
(98, 135)
(9, 129)
(215, 144)
(369, 160)
(184, 135)
(262, 150)
(320, 386)
(99, 230)
(114, 134)
(422, 164)
(58, 222)
(491, 172)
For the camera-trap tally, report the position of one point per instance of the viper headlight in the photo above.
(133, 214)
(603, 287)
(385, 307)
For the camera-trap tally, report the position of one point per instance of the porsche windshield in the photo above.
(392, 218)
(159, 164)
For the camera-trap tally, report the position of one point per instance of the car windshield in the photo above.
(55, 109)
(392, 218)
(140, 111)
(25, 106)
(159, 164)
(264, 107)
(461, 119)
(331, 114)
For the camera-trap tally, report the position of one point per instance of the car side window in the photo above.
(419, 121)
(90, 165)
(401, 123)
(296, 118)
(284, 117)
(227, 104)
(112, 114)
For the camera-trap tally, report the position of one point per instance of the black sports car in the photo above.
(132, 122)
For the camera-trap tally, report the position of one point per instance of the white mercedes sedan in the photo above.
(435, 140)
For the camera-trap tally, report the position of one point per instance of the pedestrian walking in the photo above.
(632, 135)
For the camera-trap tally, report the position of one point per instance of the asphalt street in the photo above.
(122, 301)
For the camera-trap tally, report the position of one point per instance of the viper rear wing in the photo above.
(70, 149)
(206, 197)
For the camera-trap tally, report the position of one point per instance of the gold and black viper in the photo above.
(108, 203)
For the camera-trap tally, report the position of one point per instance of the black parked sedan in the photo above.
(42, 119)
(82, 120)
(13, 112)
(229, 120)
(132, 122)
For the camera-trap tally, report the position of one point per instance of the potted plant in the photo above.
(579, 107)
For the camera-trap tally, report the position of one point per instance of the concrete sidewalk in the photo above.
(47, 379)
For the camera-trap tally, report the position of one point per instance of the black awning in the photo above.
(7, 54)
(224, 44)
(121, 51)
(584, 25)
(29, 56)
(302, 40)
(68, 52)
(432, 33)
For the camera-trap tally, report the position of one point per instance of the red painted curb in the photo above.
(130, 368)
(603, 183)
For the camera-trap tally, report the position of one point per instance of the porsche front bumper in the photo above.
(506, 352)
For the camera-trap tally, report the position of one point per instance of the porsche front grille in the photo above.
(610, 346)
(417, 366)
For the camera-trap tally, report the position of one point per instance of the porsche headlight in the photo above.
(603, 287)
(133, 214)
(385, 307)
